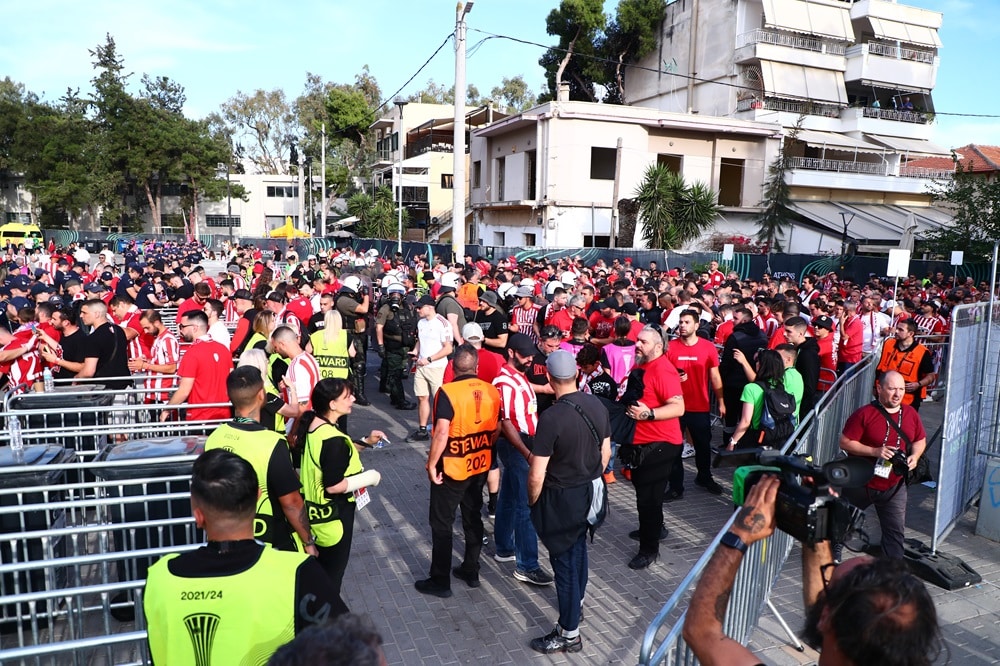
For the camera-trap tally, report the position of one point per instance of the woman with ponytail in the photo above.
(332, 474)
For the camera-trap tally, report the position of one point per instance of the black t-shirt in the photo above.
(537, 374)
(316, 323)
(142, 297)
(563, 436)
(603, 386)
(75, 348)
(108, 344)
(124, 284)
(493, 325)
(315, 598)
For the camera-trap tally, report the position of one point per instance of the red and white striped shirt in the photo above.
(525, 320)
(138, 347)
(518, 402)
(165, 351)
(229, 311)
(27, 368)
(303, 374)
(239, 282)
(932, 325)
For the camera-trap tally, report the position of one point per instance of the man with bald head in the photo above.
(876, 432)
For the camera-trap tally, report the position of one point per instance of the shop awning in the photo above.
(834, 141)
(905, 32)
(807, 83)
(911, 146)
(872, 223)
(810, 18)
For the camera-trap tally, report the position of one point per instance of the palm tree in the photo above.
(377, 216)
(672, 212)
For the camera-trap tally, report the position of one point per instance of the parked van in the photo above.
(16, 233)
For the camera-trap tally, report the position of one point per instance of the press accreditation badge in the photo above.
(361, 498)
(883, 468)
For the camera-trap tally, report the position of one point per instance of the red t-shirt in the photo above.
(696, 361)
(827, 359)
(301, 307)
(563, 320)
(661, 383)
(635, 328)
(601, 326)
(489, 367)
(209, 364)
(724, 331)
(189, 305)
(852, 340)
(869, 426)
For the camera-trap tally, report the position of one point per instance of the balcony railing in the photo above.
(384, 155)
(895, 114)
(893, 51)
(842, 166)
(789, 106)
(922, 172)
(762, 36)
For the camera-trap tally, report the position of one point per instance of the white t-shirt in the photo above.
(433, 334)
(220, 333)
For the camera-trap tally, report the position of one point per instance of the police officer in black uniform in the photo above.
(354, 303)
(396, 334)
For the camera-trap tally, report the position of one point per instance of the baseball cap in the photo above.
(610, 303)
(823, 321)
(522, 344)
(424, 300)
(630, 309)
(20, 302)
(561, 364)
(233, 268)
(40, 288)
(107, 275)
(472, 331)
(20, 282)
(276, 297)
(243, 295)
(95, 287)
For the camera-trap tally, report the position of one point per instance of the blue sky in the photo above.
(217, 47)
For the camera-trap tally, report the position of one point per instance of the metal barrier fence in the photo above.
(818, 435)
(969, 431)
(78, 530)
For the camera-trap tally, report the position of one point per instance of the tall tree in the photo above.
(673, 213)
(513, 95)
(378, 215)
(775, 217)
(974, 201)
(577, 24)
(629, 36)
(264, 124)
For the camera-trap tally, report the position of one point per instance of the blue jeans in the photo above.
(611, 460)
(570, 571)
(513, 531)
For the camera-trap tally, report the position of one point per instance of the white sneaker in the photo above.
(688, 451)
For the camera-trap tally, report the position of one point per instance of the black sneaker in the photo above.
(472, 580)
(553, 642)
(642, 560)
(535, 577)
(672, 496)
(428, 586)
(405, 406)
(634, 534)
(419, 435)
(710, 485)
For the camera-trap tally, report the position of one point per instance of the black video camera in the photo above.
(809, 513)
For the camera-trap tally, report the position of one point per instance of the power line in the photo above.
(690, 77)
(416, 73)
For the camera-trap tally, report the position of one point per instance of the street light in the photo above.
(399, 222)
(458, 179)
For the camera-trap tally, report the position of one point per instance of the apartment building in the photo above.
(857, 78)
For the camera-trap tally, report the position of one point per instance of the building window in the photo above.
(731, 182)
(477, 173)
(596, 241)
(283, 191)
(222, 221)
(500, 238)
(529, 240)
(447, 181)
(23, 218)
(171, 223)
(602, 163)
(530, 175)
(501, 176)
(672, 162)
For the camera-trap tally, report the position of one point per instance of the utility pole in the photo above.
(458, 142)
(399, 210)
(614, 195)
(322, 164)
(229, 202)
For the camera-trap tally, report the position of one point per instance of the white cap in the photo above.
(568, 278)
(472, 331)
(449, 280)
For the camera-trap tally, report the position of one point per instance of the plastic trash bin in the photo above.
(132, 510)
(60, 409)
(31, 474)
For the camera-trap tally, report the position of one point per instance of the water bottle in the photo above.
(16, 439)
(380, 444)
(48, 381)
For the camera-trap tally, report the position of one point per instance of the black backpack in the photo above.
(777, 417)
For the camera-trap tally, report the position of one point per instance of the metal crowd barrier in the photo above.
(77, 535)
(75, 556)
(818, 434)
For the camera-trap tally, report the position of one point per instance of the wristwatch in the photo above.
(730, 540)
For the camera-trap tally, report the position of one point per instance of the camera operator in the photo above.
(891, 435)
(863, 611)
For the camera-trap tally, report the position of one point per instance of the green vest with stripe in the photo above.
(257, 447)
(332, 358)
(324, 516)
(238, 619)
